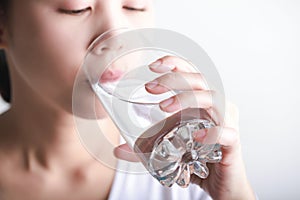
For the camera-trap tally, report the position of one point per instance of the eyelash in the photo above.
(74, 12)
(81, 11)
(134, 9)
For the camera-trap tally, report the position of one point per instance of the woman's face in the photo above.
(47, 39)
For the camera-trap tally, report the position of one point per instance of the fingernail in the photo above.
(167, 102)
(155, 64)
(152, 84)
(164, 68)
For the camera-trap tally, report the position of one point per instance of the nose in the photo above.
(110, 21)
(109, 41)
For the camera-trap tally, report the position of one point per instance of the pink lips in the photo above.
(111, 75)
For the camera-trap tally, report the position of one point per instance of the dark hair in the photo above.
(4, 78)
(5, 90)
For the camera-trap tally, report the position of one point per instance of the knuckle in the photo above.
(230, 136)
(234, 134)
(198, 81)
(232, 116)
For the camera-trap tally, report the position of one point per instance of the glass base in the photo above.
(176, 156)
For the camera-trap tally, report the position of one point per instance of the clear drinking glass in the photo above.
(117, 69)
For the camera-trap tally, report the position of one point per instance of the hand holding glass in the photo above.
(117, 69)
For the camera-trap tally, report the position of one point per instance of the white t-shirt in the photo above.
(130, 186)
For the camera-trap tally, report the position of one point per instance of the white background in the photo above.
(255, 45)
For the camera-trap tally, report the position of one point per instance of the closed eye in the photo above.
(74, 12)
(134, 9)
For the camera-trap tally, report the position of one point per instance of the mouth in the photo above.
(111, 75)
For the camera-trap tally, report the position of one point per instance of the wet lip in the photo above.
(111, 75)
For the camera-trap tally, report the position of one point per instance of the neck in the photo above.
(46, 133)
(38, 122)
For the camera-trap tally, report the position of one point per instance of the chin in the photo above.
(84, 103)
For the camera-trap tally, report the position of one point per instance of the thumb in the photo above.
(124, 152)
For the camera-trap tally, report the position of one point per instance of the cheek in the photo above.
(48, 54)
(146, 21)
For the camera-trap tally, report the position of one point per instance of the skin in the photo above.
(227, 179)
(40, 153)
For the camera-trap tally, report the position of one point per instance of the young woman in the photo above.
(43, 44)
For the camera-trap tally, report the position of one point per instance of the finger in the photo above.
(231, 116)
(216, 115)
(171, 63)
(205, 99)
(176, 81)
(195, 99)
(124, 152)
(225, 136)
